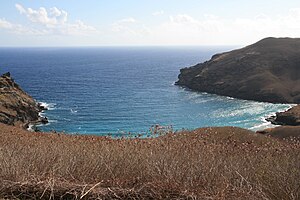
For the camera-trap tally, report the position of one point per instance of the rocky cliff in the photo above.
(16, 106)
(291, 117)
(268, 71)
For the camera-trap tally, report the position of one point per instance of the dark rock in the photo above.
(268, 71)
(41, 107)
(264, 132)
(290, 117)
(272, 120)
(283, 132)
(43, 120)
(7, 74)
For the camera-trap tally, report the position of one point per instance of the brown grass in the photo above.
(208, 163)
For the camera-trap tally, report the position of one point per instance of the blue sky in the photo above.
(141, 22)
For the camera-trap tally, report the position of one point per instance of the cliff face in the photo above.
(268, 71)
(16, 106)
(290, 117)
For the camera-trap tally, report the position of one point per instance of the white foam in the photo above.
(30, 128)
(73, 111)
(231, 98)
(266, 124)
(41, 114)
(49, 106)
(280, 110)
(242, 121)
(250, 109)
(262, 126)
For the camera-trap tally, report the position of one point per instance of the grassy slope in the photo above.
(208, 163)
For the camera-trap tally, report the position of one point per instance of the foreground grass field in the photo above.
(208, 163)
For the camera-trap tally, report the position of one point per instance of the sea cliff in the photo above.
(267, 71)
(16, 106)
(206, 163)
(291, 117)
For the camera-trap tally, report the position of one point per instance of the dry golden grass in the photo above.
(208, 163)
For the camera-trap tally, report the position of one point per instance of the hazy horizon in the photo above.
(143, 23)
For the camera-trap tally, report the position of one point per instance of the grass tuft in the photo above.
(208, 163)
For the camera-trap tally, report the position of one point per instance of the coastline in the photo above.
(33, 110)
(273, 115)
(42, 120)
(124, 167)
(249, 72)
(288, 117)
(265, 123)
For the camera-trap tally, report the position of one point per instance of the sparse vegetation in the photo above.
(208, 163)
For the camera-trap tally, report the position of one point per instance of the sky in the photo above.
(145, 22)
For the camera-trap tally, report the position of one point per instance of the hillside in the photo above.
(268, 71)
(207, 163)
(16, 106)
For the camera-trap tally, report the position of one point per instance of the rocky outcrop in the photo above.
(268, 71)
(16, 106)
(283, 132)
(290, 121)
(290, 117)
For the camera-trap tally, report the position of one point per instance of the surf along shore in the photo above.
(209, 163)
(267, 71)
(206, 163)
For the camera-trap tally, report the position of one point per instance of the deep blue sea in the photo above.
(112, 90)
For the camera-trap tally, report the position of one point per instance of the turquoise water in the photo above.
(125, 89)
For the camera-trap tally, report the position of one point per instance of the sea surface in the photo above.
(116, 90)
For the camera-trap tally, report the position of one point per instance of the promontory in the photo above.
(267, 71)
(16, 106)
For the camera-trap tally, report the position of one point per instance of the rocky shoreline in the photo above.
(17, 107)
(288, 124)
(254, 72)
(291, 117)
(267, 71)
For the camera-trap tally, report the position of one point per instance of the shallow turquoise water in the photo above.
(125, 89)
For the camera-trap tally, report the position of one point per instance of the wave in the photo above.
(49, 106)
(230, 98)
(267, 124)
(289, 106)
(262, 126)
(73, 111)
(41, 114)
(30, 127)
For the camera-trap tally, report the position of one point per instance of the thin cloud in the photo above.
(52, 21)
(53, 16)
(19, 29)
(211, 29)
(208, 29)
(123, 24)
(157, 13)
(130, 26)
(5, 24)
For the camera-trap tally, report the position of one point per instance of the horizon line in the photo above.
(99, 46)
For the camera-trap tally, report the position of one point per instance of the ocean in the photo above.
(117, 90)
